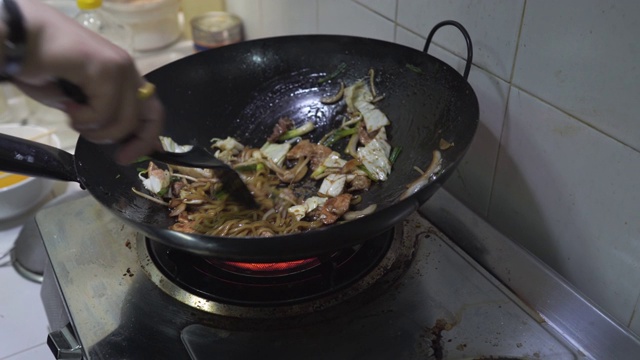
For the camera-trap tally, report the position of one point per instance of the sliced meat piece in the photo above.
(183, 224)
(365, 137)
(350, 166)
(360, 182)
(284, 124)
(176, 187)
(316, 153)
(334, 208)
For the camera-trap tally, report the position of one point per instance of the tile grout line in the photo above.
(521, 89)
(8, 357)
(375, 12)
(505, 113)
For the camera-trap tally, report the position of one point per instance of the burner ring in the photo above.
(392, 265)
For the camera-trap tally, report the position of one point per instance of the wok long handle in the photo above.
(467, 38)
(31, 158)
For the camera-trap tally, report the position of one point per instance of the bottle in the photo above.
(93, 17)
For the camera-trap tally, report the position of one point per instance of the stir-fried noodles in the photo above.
(283, 175)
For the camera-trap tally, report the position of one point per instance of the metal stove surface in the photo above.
(444, 307)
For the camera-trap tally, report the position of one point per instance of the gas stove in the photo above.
(108, 296)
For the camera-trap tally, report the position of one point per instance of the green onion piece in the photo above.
(141, 159)
(415, 69)
(334, 74)
(249, 167)
(369, 174)
(338, 134)
(395, 152)
(299, 131)
(318, 172)
(141, 170)
(221, 195)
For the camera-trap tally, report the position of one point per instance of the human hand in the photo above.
(60, 48)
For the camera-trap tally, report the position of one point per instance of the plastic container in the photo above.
(92, 16)
(214, 29)
(154, 23)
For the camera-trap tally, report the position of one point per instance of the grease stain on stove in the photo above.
(128, 273)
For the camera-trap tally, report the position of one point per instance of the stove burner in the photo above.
(268, 284)
(235, 296)
(269, 269)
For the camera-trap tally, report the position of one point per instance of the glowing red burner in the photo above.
(278, 266)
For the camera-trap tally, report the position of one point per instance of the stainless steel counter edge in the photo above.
(563, 307)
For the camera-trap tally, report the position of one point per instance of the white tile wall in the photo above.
(566, 184)
(494, 25)
(584, 58)
(283, 17)
(350, 18)
(571, 195)
(250, 11)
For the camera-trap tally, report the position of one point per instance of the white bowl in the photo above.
(18, 198)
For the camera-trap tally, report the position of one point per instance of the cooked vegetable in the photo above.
(275, 152)
(415, 69)
(338, 134)
(157, 181)
(352, 215)
(426, 177)
(395, 152)
(310, 204)
(227, 148)
(444, 144)
(375, 157)
(299, 131)
(372, 87)
(276, 172)
(333, 185)
(169, 145)
(359, 98)
(335, 98)
(341, 68)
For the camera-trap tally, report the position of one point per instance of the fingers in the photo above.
(59, 48)
(145, 138)
(112, 109)
(135, 118)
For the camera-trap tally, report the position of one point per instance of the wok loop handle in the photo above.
(31, 158)
(467, 38)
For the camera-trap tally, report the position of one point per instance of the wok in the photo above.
(242, 90)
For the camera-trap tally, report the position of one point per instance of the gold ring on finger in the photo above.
(146, 91)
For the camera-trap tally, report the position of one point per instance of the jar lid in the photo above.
(215, 21)
(88, 4)
(216, 28)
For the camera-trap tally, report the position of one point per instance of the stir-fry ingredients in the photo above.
(298, 184)
(426, 177)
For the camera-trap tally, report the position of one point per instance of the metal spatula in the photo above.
(200, 157)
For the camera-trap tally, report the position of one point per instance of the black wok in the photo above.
(242, 90)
